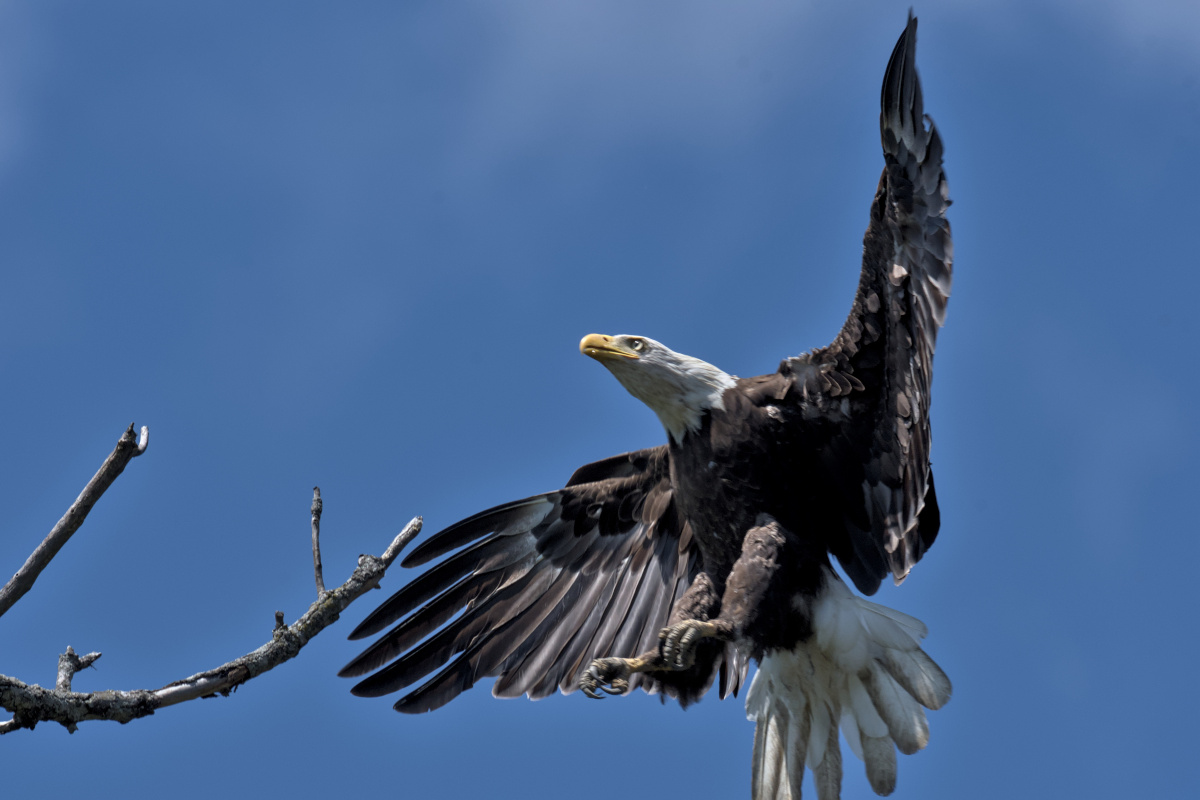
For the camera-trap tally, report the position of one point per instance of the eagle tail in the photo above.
(862, 670)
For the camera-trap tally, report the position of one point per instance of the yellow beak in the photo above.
(600, 347)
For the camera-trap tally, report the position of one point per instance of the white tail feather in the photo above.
(880, 757)
(920, 677)
(863, 670)
(768, 766)
(798, 732)
(828, 774)
(905, 720)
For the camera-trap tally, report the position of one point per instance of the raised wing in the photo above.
(881, 364)
(544, 586)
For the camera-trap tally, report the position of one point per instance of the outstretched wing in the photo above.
(881, 363)
(544, 586)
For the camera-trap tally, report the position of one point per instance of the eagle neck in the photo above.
(685, 418)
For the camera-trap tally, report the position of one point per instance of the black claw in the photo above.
(589, 689)
(603, 674)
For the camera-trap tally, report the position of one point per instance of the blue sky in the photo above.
(358, 248)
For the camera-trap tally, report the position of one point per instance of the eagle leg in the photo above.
(677, 644)
(611, 675)
(676, 652)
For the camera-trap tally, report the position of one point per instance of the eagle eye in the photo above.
(638, 345)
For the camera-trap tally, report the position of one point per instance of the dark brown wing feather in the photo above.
(539, 588)
(873, 381)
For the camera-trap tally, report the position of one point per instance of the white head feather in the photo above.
(678, 388)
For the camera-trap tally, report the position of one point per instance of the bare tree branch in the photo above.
(316, 531)
(400, 542)
(68, 665)
(33, 704)
(127, 449)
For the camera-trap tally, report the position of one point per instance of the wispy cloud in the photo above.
(1168, 28)
(702, 70)
(18, 50)
(554, 74)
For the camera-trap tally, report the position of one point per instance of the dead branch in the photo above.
(128, 448)
(316, 533)
(69, 664)
(33, 704)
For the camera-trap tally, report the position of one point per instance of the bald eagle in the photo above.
(673, 567)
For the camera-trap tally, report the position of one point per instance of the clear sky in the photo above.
(357, 248)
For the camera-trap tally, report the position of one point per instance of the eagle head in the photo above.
(678, 388)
